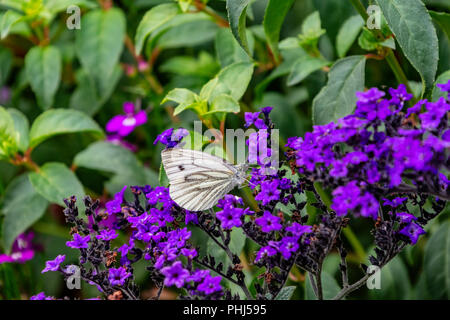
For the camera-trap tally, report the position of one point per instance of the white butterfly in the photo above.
(199, 180)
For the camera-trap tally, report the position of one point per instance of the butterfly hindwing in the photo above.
(197, 180)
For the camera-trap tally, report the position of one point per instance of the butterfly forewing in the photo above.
(197, 180)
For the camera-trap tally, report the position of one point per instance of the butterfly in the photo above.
(199, 180)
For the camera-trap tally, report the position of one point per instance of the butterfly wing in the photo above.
(197, 179)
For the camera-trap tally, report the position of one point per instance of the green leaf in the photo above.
(186, 99)
(224, 103)
(10, 287)
(203, 66)
(304, 67)
(330, 287)
(43, 68)
(437, 93)
(162, 177)
(87, 98)
(120, 160)
(6, 61)
(228, 49)
(286, 293)
(443, 20)
(367, 40)
(311, 32)
(333, 13)
(9, 19)
(153, 19)
(273, 20)
(189, 34)
(394, 282)
(437, 263)
(232, 80)
(338, 99)
(418, 41)
(55, 182)
(237, 14)
(99, 44)
(22, 128)
(23, 206)
(61, 121)
(8, 137)
(347, 34)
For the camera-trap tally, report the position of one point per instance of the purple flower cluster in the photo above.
(379, 151)
(156, 236)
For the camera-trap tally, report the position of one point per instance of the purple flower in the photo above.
(405, 217)
(269, 192)
(189, 253)
(345, 198)
(117, 276)
(394, 203)
(53, 265)
(445, 87)
(298, 230)
(107, 235)
(399, 95)
(416, 108)
(125, 124)
(250, 118)
(210, 285)
(230, 217)
(269, 222)
(170, 138)
(22, 249)
(79, 242)
(413, 231)
(287, 246)
(266, 110)
(190, 217)
(41, 296)
(265, 252)
(114, 206)
(436, 111)
(370, 96)
(175, 275)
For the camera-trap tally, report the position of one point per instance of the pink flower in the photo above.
(123, 125)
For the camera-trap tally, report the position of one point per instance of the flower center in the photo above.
(129, 122)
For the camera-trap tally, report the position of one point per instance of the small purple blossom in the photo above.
(264, 253)
(269, 222)
(54, 265)
(175, 275)
(107, 235)
(269, 192)
(117, 276)
(79, 242)
(170, 138)
(114, 206)
(210, 285)
(123, 125)
(413, 231)
(41, 296)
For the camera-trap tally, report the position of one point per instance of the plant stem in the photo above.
(397, 69)
(221, 22)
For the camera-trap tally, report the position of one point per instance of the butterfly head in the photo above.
(241, 173)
